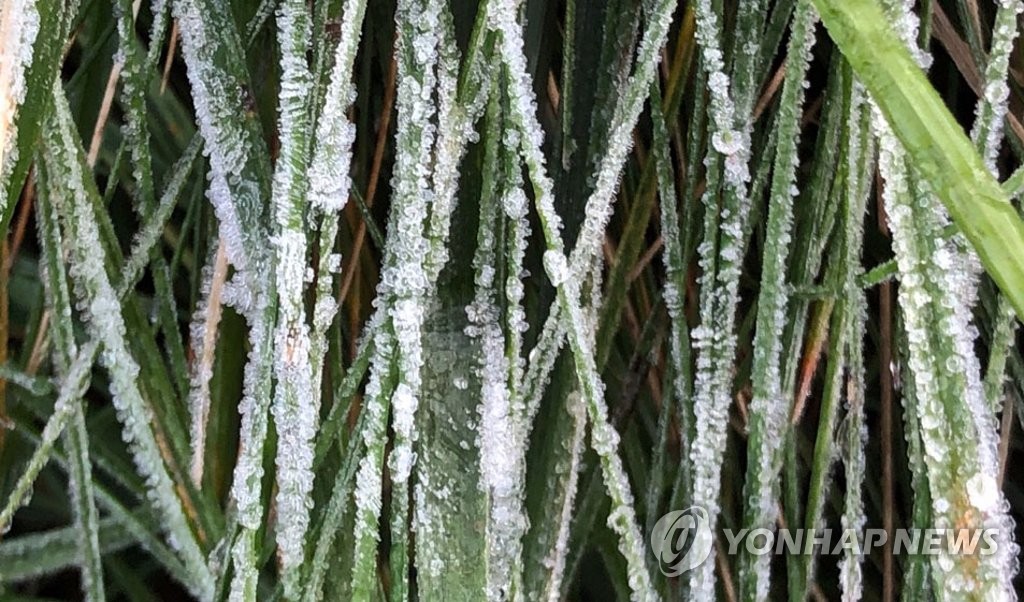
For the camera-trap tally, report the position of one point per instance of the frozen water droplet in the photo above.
(727, 142)
(556, 267)
(983, 491)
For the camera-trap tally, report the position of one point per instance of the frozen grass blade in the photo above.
(369, 478)
(721, 254)
(432, 387)
(239, 184)
(58, 298)
(295, 407)
(330, 181)
(856, 188)
(32, 37)
(768, 406)
(961, 462)
(66, 161)
(502, 449)
(604, 438)
(936, 144)
(73, 386)
(213, 52)
(19, 26)
(988, 136)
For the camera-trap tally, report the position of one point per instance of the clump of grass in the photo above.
(476, 292)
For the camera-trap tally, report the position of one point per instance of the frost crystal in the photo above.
(209, 40)
(768, 406)
(721, 254)
(556, 267)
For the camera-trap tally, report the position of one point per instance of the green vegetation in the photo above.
(448, 300)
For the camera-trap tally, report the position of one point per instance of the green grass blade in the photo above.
(935, 142)
(32, 37)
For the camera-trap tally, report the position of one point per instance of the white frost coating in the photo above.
(938, 285)
(100, 304)
(994, 102)
(715, 339)
(455, 130)
(502, 18)
(403, 408)
(499, 435)
(945, 376)
(514, 203)
(987, 135)
(556, 267)
(404, 284)
(620, 142)
(329, 177)
(295, 408)
(555, 562)
(330, 180)
(369, 481)
(501, 459)
(983, 492)
(851, 576)
(217, 99)
(19, 25)
(731, 142)
(604, 439)
(769, 405)
(405, 279)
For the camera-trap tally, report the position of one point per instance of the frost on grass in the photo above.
(555, 562)
(19, 25)
(454, 133)
(64, 349)
(854, 306)
(768, 406)
(404, 281)
(620, 142)
(295, 409)
(211, 49)
(238, 185)
(987, 133)
(369, 479)
(404, 284)
(957, 427)
(329, 179)
(993, 104)
(947, 387)
(500, 440)
(604, 438)
(101, 306)
(720, 256)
